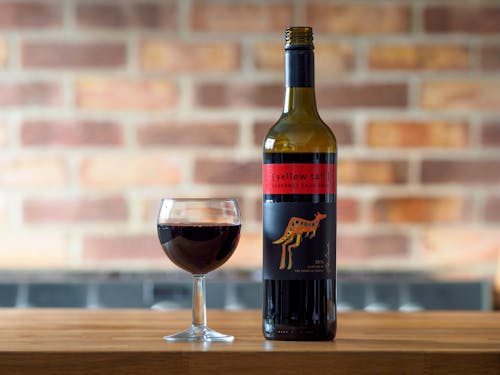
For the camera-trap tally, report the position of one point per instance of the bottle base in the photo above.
(287, 333)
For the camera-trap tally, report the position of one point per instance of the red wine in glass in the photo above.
(199, 247)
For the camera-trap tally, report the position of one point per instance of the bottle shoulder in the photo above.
(300, 133)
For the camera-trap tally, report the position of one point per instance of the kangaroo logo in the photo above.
(294, 230)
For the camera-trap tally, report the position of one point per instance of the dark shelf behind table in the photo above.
(235, 290)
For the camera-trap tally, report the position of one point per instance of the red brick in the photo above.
(490, 57)
(347, 210)
(414, 133)
(358, 18)
(349, 95)
(70, 133)
(492, 209)
(268, 56)
(342, 130)
(189, 133)
(478, 94)
(329, 57)
(162, 55)
(125, 170)
(240, 17)
(219, 171)
(466, 19)
(372, 171)
(465, 248)
(461, 171)
(32, 14)
(3, 134)
(73, 55)
(420, 210)
(32, 172)
(3, 53)
(29, 94)
(75, 209)
(372, 246)
(418, 57)
(490, 134)
(239, 95)
(118, 16)
(122, 247)
(33, 249)
(125, 94)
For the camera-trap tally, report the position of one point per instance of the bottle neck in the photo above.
(300, 99)
(299, 81)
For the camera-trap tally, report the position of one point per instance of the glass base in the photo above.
(199, 334)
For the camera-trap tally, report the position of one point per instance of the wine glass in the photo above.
(199, 235)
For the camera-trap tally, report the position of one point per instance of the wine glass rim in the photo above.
(193, 199)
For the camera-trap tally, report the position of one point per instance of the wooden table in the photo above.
(39, 341)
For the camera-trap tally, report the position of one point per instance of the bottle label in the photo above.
(305, 178)
(299, 240)
(299, 216)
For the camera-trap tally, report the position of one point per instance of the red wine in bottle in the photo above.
(299, 208)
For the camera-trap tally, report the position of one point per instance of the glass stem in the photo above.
(199, 307)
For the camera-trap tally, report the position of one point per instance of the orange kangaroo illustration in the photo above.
(294, 230)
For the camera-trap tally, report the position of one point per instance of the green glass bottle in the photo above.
(299, 208)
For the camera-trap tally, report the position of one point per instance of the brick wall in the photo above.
(106, 106)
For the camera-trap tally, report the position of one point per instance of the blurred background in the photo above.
(107, 106)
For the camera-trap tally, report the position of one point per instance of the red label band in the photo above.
(299, 178)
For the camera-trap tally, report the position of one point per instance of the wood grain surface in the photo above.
(65, 341)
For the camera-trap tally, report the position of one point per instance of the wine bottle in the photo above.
(299, 208)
